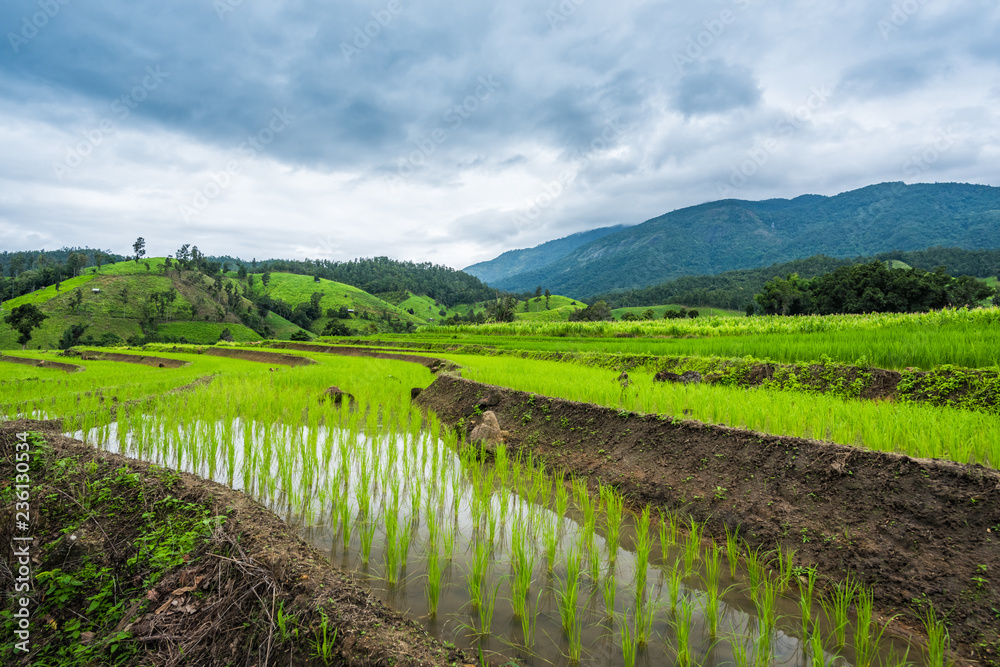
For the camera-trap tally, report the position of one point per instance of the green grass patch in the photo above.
(130, 268)
(295, 289)
(908, 428)
(967, 338)
(44, 295)
(207, 333)
(426, 309)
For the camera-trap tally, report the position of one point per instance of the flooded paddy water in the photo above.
(507, 558)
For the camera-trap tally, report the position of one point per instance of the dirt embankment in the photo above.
(918, 531)
(433, 364)
(156, 362)
(259, 355)
(244, 590)
(41, 363)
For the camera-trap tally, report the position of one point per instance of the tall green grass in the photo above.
(969, 338)
(913, 429)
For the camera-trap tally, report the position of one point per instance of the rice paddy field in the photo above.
(968, 338)
(517, 560)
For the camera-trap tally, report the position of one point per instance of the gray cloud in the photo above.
(714, 87)
(368, 84)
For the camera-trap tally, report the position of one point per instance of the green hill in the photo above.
(559, 309)
(123, 300)
(379, 275)
(367, 309)
(427, 309)
(732, 234)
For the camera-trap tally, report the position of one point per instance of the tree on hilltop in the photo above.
(140, 249)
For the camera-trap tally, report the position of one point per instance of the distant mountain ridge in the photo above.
(733, 234)
(514, 262)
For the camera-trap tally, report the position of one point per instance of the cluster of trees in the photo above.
(23, 272)
(595, 312)
(735, 289)
(871, 288)
(649, 314)
(538, 297)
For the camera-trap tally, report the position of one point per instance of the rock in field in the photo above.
(337, 396)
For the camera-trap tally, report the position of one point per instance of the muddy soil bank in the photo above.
(918, 531)
(41, 363)
(259, 356)
(156, 362)
(433, 364)
(247, 591)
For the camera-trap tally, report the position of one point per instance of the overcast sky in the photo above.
(451, 132)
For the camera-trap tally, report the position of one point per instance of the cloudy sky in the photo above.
(450, 132)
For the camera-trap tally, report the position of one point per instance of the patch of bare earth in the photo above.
(259, 356)
(41, 363)
(433, 364)
(156, 362)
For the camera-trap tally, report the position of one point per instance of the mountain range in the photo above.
(732, 234)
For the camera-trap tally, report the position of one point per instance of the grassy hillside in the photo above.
(197, 313)
(425, 308)
(559, 309)
(130, 268)
(295, 289)
(41, 296)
